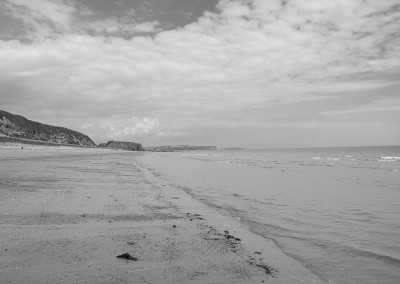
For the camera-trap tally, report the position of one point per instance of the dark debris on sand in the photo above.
(269, 270)
(127, 256)
(234, 244)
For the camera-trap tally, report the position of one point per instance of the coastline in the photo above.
(13, 142)
(66, 214)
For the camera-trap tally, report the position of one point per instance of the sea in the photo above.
(335, 210)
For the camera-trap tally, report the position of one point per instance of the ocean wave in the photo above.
(332, 159)
(388, 158)
(188, 155)
(370, 254)
(285, 233)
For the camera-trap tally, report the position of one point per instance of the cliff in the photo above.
(129, 146)
(18, 126)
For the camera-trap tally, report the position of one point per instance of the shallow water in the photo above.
(336, 210)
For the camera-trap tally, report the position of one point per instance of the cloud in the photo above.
(131, 127)
(116, 27)
(42, 17)
(170, 133)
(45, 18)
(250, 53)
(87, 126)
(382, 105)
(40, 11)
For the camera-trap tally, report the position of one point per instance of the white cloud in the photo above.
(250, 53)
(42, 17)
(114, 27)
(383, 105)
(45, 18)
(87, 126)
(57, 12)
(173, 133)
(131, 127)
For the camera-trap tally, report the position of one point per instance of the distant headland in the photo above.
(129, 146)
(16, 129)
(172, 148)
(28, 131)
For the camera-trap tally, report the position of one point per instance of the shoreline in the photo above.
(289, 269)
(18, 142)
(65, 216)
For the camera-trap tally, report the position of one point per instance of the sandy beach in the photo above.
(66, 214)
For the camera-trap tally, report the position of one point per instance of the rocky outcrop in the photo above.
(129, 146)
(19, 127)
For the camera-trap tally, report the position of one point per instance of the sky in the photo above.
(230, 73)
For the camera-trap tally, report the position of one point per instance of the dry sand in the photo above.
(66, 214)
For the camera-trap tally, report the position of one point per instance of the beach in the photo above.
(71, 215)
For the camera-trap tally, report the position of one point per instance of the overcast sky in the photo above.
(246, 73)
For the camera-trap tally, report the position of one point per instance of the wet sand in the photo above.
(66, 214)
